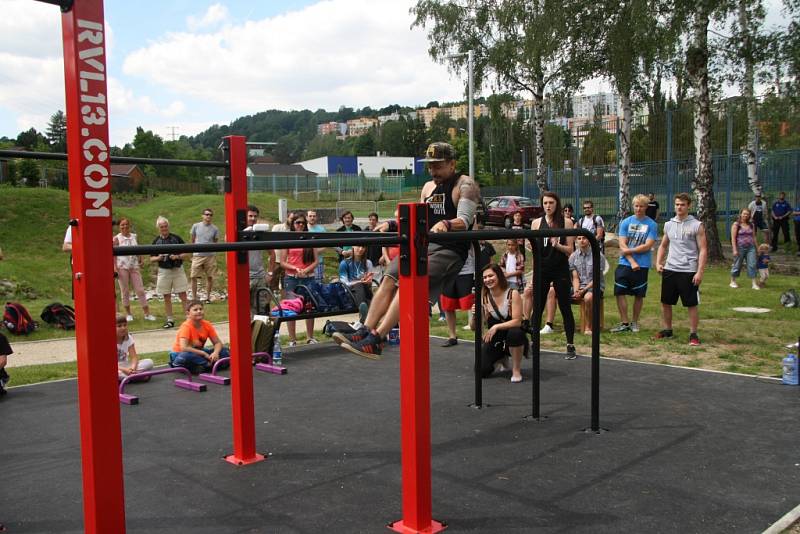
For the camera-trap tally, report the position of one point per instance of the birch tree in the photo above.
(638, 36)
(746, 51)
(697, 56)
(528, 46)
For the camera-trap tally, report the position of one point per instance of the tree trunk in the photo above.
(747, 91)
(625, 156)
(538, 133)
(703, 181)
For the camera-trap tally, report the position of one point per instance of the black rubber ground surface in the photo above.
(686, 451)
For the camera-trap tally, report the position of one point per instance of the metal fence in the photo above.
(778, 170)
(338, 187)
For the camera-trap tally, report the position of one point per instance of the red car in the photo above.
(500, 211)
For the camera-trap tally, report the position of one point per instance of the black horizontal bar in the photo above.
(492, 235)
(24, 154)
(280, 240)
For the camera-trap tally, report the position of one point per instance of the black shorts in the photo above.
(457, 293)
(630, 282)
(675, 284)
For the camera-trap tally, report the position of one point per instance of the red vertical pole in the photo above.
(415, 403)
(243, 415)
(90, 210)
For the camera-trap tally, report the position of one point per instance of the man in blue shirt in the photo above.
(781, 211)
(637, 235)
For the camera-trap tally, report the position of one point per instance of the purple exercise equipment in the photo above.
(213, 377)
(184, 383)
(269, 367)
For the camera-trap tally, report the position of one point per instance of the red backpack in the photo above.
(17, 319)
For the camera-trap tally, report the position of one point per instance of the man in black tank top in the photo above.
(451, 198)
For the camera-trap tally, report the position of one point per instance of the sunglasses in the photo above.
(209, 214)
(299, 222)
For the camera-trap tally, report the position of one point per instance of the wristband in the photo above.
(447, 224)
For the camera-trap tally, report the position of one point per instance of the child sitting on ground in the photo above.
(762, 264)
(5, 351)
(189, 350)
(128, 361)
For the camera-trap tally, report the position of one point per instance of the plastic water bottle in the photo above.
(790, 370)
(277, 353)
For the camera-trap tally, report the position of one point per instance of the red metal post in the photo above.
(243, 415)
(415, 417)
(90, 209)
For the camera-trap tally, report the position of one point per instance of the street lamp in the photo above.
(471, 112)
(524, 164)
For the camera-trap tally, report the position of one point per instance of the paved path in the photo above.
(63, 349)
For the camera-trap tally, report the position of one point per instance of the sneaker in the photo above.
(292, 344)
(733, 284)
(369, 347)
(663, 334)
(466, 327)
(755, 286)
(546, 330)
(311, 341)
(622, 327)
(634, 327)
(129, 318)
(169, 324)
(694, 341)
(571, 355)
(149, 317)
(450, 342)
(355, 337)
(442, 319)
(363, 308)
(4, 378)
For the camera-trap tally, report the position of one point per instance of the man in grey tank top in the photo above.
(684, 244)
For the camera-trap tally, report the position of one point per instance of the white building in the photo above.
(583, 106)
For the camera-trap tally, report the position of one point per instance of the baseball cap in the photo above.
(439, 152)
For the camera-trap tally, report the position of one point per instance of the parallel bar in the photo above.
(454, 237)
(282, 240)
(596, 277)
(86, 93)
(24, 154)
(478, 285)
(536, 320)
(242, 403)
(415, 417)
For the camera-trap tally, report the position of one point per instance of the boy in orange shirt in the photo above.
(189, 350)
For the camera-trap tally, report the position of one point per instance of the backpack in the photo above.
(337, 296)
(17, 319)
(310, 291)
(59, 315)
(262, 337)
(600, 240)
(790, 299)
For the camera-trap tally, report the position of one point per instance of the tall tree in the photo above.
(57, 131)
(528, 45)
(697, 56)
(745, 53)
(638, 32)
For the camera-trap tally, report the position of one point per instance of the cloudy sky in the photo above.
(180, 66)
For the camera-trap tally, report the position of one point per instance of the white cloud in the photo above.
(214, 15)
(335, 52)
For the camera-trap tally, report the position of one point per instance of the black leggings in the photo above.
(497, 348)
(561, 284)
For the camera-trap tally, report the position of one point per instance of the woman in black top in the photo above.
(555, 266)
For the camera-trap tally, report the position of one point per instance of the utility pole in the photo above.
(172, 130)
